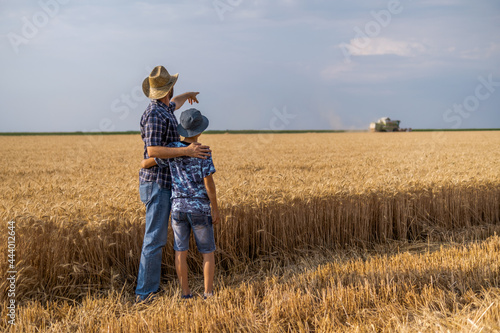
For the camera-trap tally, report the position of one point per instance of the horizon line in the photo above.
(247, 131)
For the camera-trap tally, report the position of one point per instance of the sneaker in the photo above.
(187, 296)
(208, 295)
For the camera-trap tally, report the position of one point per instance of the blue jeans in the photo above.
(157, 201)
(203, 230)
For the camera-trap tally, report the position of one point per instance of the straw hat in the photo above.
(158, 83)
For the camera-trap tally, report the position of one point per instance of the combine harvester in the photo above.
(387, 125)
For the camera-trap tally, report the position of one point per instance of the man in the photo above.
(158, 129)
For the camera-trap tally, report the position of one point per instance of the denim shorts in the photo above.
(203, 230)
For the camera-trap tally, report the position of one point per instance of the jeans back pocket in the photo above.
(200, 220)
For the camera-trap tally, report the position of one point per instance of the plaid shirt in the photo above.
(158, 128)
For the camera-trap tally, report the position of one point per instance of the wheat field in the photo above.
(354, 232)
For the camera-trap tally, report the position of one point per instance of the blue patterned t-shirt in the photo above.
(188, 188)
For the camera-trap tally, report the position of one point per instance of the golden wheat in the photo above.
(431, 289)
(79, 221)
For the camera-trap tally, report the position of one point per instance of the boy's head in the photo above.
(192, 123)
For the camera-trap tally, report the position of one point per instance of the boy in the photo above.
(194, 201)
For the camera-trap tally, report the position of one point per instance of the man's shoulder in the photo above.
(158, 109)
(153, 111)
(149, 115)
(163, 108)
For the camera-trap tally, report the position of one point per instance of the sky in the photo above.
(72, 65)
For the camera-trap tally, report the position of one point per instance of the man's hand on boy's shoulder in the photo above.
(198, 150)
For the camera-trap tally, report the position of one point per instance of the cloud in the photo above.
(334, 71)
(386, 69)
(262, 55)
(477, 53)
(383, 46)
